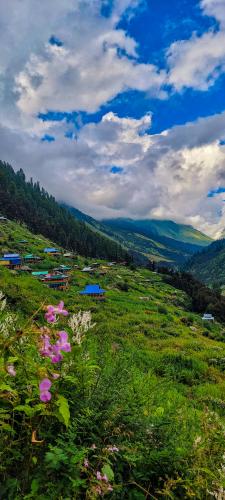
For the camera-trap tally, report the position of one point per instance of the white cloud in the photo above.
(165, 176)
(199, 61)
(214, 8)
(95, 63)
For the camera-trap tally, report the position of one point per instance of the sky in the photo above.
(117, 107)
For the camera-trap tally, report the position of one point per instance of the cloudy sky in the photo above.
(118, 106)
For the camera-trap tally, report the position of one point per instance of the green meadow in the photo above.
(138, 409)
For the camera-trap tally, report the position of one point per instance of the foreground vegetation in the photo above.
(135, 406)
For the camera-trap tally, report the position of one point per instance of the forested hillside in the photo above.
(29, 203)
(209, 265)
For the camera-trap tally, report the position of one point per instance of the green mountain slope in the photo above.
(146, 381)
(163, 241)
(31, 204)
(209, 265)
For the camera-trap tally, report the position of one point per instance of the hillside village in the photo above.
(164, 360)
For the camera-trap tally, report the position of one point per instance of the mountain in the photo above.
(160, 240)
(29, 203)
(209, 264)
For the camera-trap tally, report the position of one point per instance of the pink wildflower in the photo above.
(60, 309)
(98, 475)
(98, 490)
(56, 355)
(93, 446)
(44, 387)
(11, 370)
(86, 463)
(113, 448)
(105, 478)
(46, 347)
(50, 314)
(55, 376)
(63, 343)
(52, 311)
(110, 488)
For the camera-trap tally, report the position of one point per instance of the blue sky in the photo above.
(169, 22)
(117, 106)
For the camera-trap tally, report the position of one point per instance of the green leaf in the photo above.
(64, 410)
(34, 485)
(6, 387)
(26, 409)
(108, 471)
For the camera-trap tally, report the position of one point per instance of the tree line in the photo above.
(28, 202)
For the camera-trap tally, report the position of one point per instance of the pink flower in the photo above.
(93, 446)
(98, 490)
(98, 475)
(60, 309)
(113, 448)
(55, 376)
(56, 355)
(110, 488)
(44, 387)
(86, 463)
(105, 478)
(46, 348)
(11, 370)
(63, 343)
(50, 314)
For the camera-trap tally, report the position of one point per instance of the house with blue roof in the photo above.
(51, 251)
(93, 291)
(13, 259)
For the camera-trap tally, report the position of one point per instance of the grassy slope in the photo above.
(159, 327)
(165, 345)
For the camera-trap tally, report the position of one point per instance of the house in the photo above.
(93, 291)
(14, 260)
(3, 219)
(87, 269)
(207, 317)
(31, 258)
(57, 281)
(26, 269)
(39, 274)
(4, 262)
(69, 255)
(51, 251)
(62, 268)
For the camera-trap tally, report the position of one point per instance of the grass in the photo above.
(172, 364)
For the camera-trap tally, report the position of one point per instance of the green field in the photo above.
(148, 379)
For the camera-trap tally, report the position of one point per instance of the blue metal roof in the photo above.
(49, 250)
(11, 256)
(92, 289)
